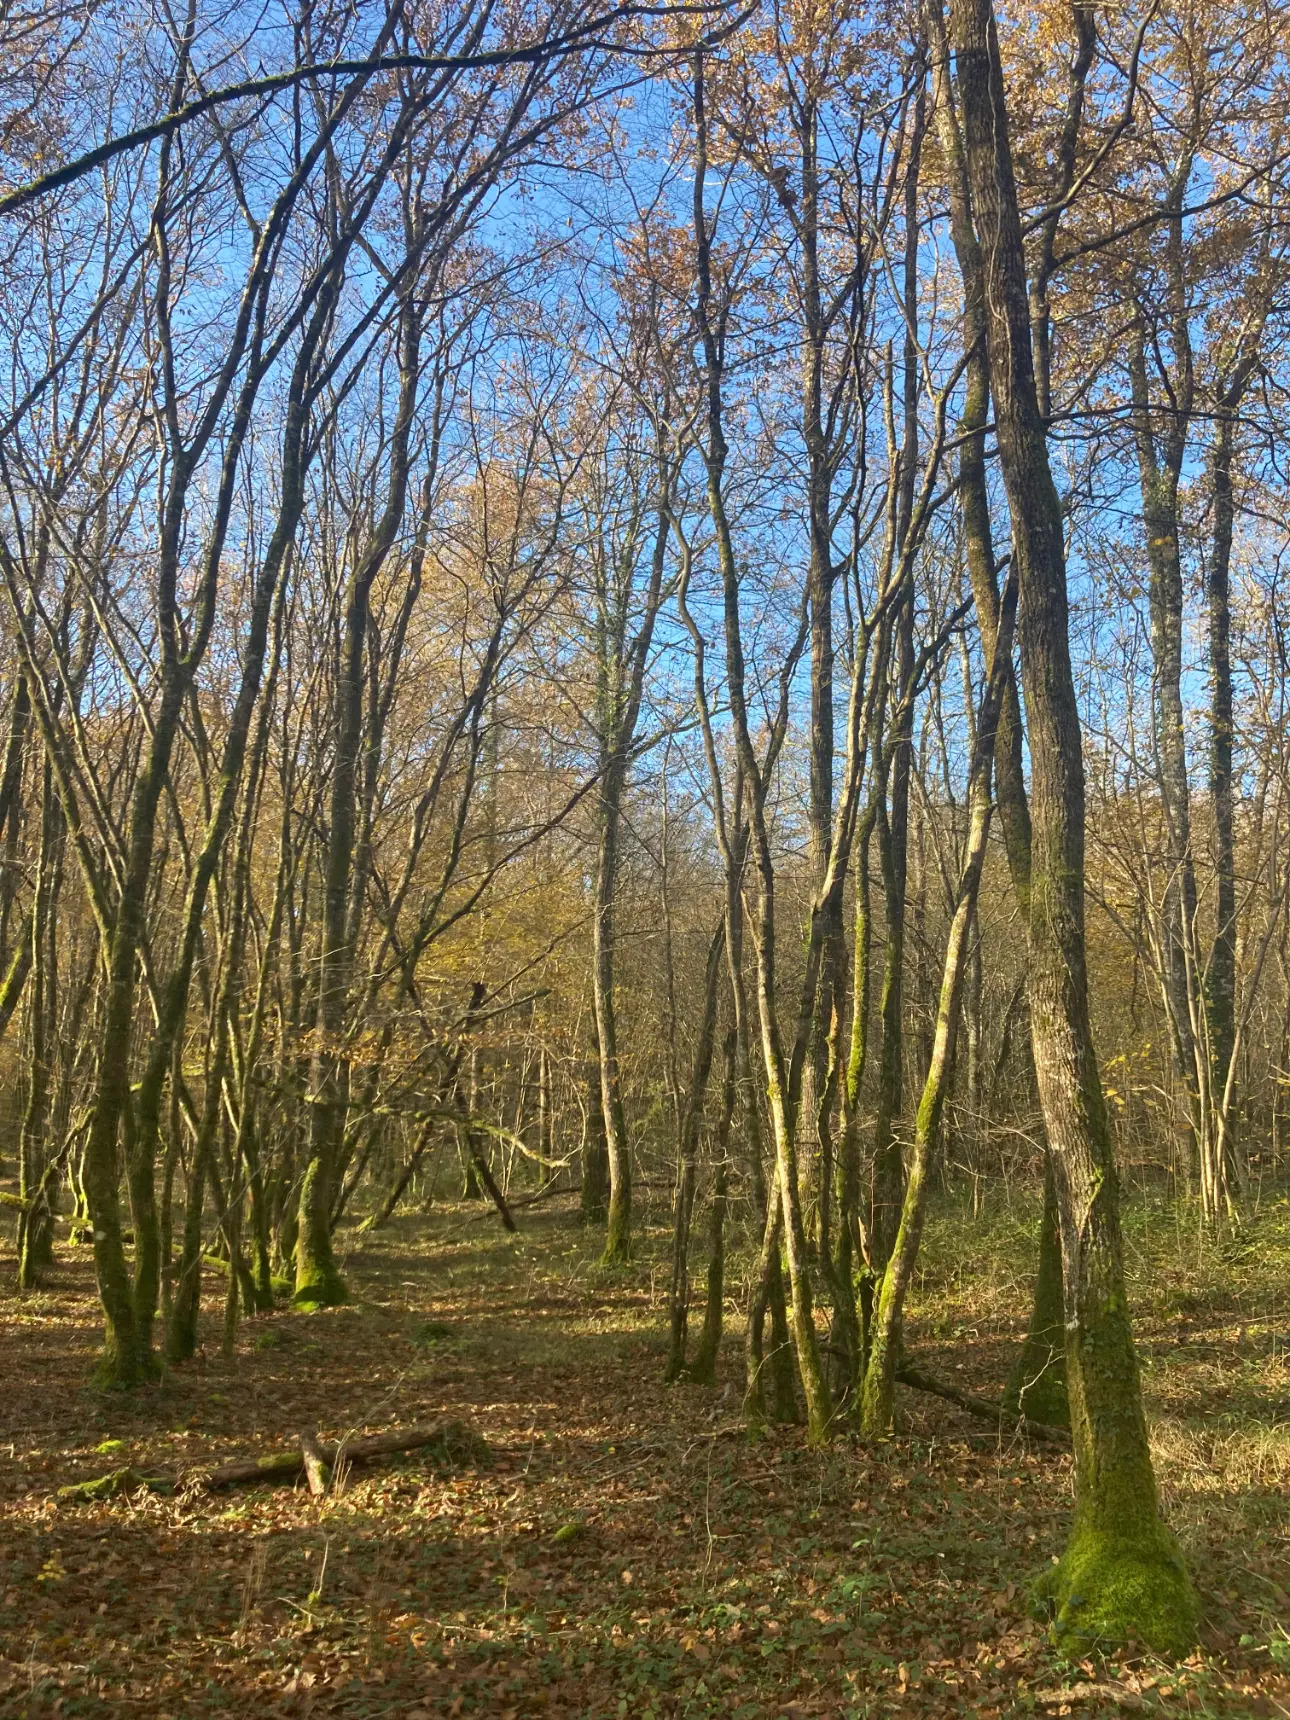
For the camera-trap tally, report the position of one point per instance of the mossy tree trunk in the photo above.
(877, 1399)
(1041, 1359)
(1122, 1575)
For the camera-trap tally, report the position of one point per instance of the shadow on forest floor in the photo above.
(694, 1573)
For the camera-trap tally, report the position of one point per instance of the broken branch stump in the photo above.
(317, 1469)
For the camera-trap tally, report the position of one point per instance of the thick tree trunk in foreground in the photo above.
(1122, 1575)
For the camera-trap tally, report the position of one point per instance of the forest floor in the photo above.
(627, 1551)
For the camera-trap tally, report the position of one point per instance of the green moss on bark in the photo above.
(319, 1283)
(1110, 1590)
(125, 1480)
(320, 1286)
(618, 1236)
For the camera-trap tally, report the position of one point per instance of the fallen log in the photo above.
(125, 1480)
(984, 1408)
(450, 1444)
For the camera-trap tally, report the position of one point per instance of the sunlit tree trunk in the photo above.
(877, 1400)
(1122, 1574)
(1041, 1358)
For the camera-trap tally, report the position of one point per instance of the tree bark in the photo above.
(1044, 1332)
(703, 1368)
(687, 1156)
(877, 1400)
(1122, 1574)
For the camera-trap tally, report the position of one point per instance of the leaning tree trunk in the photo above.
(877, 1397)
(1122, 1574)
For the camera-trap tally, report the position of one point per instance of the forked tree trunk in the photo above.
(318, 1277)
(1122, 1575)
(781, 1103)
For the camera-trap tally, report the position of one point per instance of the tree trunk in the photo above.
(318, 1278)
(594, 1199)
(1122, 1574)
(877, 1400)
(703, 1369)
(978, 544)
(687, 1155)
(1037, 1385)
(1160, 524)
(1220, 994)
(618, 1228)
(35, 1239)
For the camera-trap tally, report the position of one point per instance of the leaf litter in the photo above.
(627, 1551)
